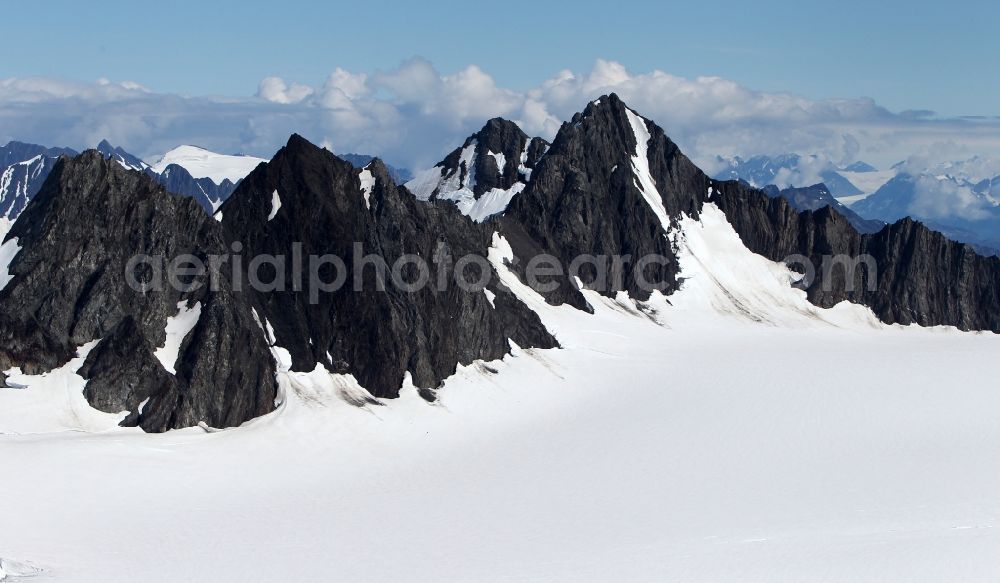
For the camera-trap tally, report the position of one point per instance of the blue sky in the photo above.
(409, 81)
(905, 54)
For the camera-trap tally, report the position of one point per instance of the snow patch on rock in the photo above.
(8, 251)
(640, 167)
(275, 205)
(367, 184)
(177, 329)
(501, 160)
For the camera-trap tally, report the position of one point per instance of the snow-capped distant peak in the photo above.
(202, 163)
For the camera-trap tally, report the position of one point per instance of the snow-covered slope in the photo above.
(202, 163)
(20, 181)
(734, 433)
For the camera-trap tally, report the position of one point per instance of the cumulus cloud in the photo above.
(275, 90)
(936, 197)
(414, 114)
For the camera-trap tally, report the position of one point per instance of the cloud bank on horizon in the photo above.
(414, 114)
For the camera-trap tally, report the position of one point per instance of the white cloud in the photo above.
(414, 114)
(941, 198)
(275, 90)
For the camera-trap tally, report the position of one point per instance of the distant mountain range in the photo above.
(955, 198)
(206, 176)
(963, 209)
(792, 171)
(818, 196)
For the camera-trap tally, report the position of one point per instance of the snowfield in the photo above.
(732, 433)
(867, 182)
(202, 163)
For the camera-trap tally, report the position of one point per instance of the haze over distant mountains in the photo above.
(960, 199)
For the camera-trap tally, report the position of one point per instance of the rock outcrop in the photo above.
(306, 196)
(70, 286)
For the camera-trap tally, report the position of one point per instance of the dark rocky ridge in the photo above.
(69, 288)
(582, 198)
(398, 175)
(375, 335)
(922, 277)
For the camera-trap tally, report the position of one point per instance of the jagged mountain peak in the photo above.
(78, 236)
(485, 173)
(298, 142)
(310, 199)
(304, 180)
(88, 181)
(611, 183)
(609, 102)
(121, 156)
(399, 175)
(379, 170)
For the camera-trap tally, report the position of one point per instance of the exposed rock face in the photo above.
(69, 288)
(921, 276)
(398, 175)
(584, 198)
(309, 196)
(503, 156)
